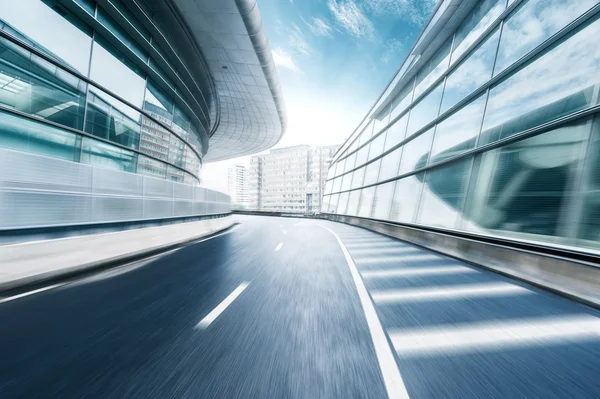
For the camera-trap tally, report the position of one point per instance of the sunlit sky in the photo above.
(334, 58)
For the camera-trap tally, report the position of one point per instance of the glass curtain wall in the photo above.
(66, 91)
(497, 134)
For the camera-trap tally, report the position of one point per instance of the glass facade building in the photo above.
(491, 126)
(113, 84)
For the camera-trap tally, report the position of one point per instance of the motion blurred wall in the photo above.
(87, 110)
(491, 126)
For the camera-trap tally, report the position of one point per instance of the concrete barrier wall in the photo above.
(577, 279)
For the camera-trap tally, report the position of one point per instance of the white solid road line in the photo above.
(417, 271)
(387, 364)
(278, 247)
(452, 292)
(207, 321)
(495, 335)
(12, 298)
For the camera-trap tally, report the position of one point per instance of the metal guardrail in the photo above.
(40, 192)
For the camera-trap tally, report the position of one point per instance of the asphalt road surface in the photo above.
(277, 308)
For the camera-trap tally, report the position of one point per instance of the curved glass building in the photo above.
(150, 88)
(491, 127)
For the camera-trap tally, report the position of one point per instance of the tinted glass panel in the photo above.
(533, 22)
(372, 172)
(112, 120)
(558, 83)
(406, 198)
(389, 165)
(337, 184)
(589, 222)
(444, 194)
(425, 111)
(121, 34)
(158, 104)
(362, 155)
(343, 203)
(350, 162)
(346, 180)
(383, 200)
(396, 133)
(376, 148)
(353, 199)
(50, 28)
(459, 132)
(366, 134)
(402, 100)
(358, 177)
(97, 153)
(433, 69)
(416, 152)
(471, 73)
(381, 120)
(366, 202)
(484, 14)
(525, 187)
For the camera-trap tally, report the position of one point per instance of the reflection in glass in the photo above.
(353, 203)
(121, 34)
(366, 202)
(366, 134)
(525, 187)
(343, 203)
(458, 133)
(558, 83)
(444, 193)
(22, 134)
(350, 162)
(33, 85)
(372, 173)
(376, 148)
(150, 167)
(94, 152)
(119, 124)
(382, 202)
(406, 198)
(389, 165)
(434, 68)
(115, 72)
(589, 221)
(425, 110)
(358, 177)
(362, 155)
(346, 180)
(337, 184)
(531, 23)
(416, 152)
(381, 120)
(484, 14)
(472, 73)
(396, 132)
(158, 104)
(50, 28)
(402, 100)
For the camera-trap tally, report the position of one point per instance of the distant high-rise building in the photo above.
(290, 179)
(237, 186)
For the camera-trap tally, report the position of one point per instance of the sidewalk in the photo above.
(39, 261)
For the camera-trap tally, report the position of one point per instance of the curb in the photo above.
(77, 272)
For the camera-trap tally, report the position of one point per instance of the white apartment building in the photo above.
(290, 179)
(237, 186)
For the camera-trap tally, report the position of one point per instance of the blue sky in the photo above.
(333, 58)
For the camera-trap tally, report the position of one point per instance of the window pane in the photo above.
(484, 14)
(346, 180)
(471, 74)
(366, 202)
(154, 138)
(158, 104)
(372, 172)
(383, 200)
(112, 70)
(97, 153)
(433, 69)
(381, 120)
(112, 120)
(558, 83)
(342, 204)
(406, 198)
(366, 134)
(22, 134)
(362, 155)
(333, 202)
(395, 133)
(121, 34)
(533, 22)
(459, 132)
(33, 85)
(50, 28)
(337, 184)
(402, 100)
(524, 187)
(389, 165)
(376, 148)
(589, 223)
(325, 204)
(353, 203)
(416, 152)
(358, 177)
(350, 162)
(444, 193)
(150, 167)
(425, 111)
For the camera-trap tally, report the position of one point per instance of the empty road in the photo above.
(293, 308)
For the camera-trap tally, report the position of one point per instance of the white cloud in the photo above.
(284, 59)
(319, 27)
(296, 40)
(351, 18)
(392, 47)
(416, 11)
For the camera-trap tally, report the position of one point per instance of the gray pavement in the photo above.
(300, 328)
